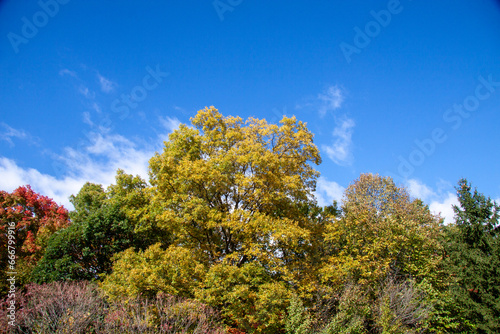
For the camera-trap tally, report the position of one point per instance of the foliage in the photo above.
(443, 311)
(76, 308)
(173, 271)
(352, 313)
(474, 259)
(100, 228)
(233, 191)
(247, 296)
(162, 314)
(401, 308)
(381, 232)
(228, 231)
(58, 308)
(33, 218)
(298, 320)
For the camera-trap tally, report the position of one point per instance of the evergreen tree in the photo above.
(474, 255)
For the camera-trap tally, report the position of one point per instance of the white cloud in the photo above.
(170, 124)
(96, 161)
(107, 86)
(444, 207)
(7, 133)
(440, 201)
(103, 155)
(340, 150)
(14, 176)
(328, 191)
(419, 190)
(331, 99)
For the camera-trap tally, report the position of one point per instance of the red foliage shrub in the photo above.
(80, 308)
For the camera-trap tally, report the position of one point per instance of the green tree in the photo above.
(474, 259)
(102, 226)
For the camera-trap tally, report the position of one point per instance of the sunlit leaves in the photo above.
(173, 271)
(381, 231)
(228, 188)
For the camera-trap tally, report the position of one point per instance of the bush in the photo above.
(164, 314)
(352, 312)
(298, 320)
(401, 308)
(75, 308)
(57, 308)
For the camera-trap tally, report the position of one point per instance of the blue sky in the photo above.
(408, 89)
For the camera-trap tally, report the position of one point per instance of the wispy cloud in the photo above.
(340, 151)
(66, 71)
(96, 161)
(330, 100)
(7, 133)
(86, 92)
(107, 86)
(170, 124)
(328, 191)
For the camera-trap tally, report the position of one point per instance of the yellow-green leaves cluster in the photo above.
(173, 271)
(381, 232)
(229, 189)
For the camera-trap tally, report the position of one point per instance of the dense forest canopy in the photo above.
(228, 220)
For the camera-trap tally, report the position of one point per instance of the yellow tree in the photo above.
(234, 191)
(236, 195)
(382, 231)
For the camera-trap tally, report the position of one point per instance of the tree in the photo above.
(381, 232)
(235, 195)
(32, 218)
(233, 191)
(474, 258)
(103, 225)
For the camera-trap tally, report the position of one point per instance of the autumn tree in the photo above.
(33, 218)
(382, 231)
(234, 193)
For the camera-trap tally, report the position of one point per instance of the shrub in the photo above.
(75, 308)
(164, 314)
(401, 308)
(298, 320)
(58, 308)
(352, 312)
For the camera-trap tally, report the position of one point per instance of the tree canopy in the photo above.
(229, 218)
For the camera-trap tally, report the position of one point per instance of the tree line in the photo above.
(228, 220)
